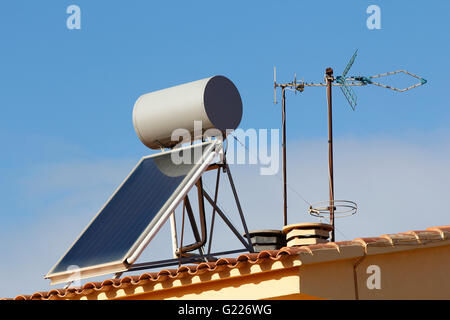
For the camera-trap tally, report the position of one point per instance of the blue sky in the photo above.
(67, 97)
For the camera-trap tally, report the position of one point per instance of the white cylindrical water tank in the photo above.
(214, 101)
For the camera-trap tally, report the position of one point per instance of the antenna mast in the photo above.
(329, 80)
(283, 121)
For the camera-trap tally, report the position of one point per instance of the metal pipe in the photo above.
(173, 229)
(179, 251)
(201, 206)
(171, 262)
(329, 78)
(284, 157)
(355, 275)
(191, 217)
(200, 241)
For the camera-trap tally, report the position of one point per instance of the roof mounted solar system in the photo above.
(133, 215)
(122, 229)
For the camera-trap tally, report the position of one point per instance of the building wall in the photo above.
(252, 282)
(412, 274)
(422, 274)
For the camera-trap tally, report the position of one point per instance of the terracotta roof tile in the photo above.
(426, 236)
(399, 239)
(443, 230)
(314, 253)
(373, 242)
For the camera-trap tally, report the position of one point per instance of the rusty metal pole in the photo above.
(284, 157)
(329, 78)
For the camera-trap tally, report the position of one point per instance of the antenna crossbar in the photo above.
(355, 81)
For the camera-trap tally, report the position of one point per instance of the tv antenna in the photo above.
(332, 208)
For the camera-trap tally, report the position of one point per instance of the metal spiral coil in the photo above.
(342, 208)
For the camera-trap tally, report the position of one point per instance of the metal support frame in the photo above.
(176, 261)
(213, 215)
(201, 237)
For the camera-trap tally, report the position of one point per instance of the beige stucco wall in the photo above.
(252, 282)
(421, 274)
(413, 274)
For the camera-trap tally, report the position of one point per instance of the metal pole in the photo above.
(329, 79)
(284, 157)
(238, 204)
(228, 222)
(213, 216)
(173, 229)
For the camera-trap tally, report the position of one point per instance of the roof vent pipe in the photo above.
(267, 240)
(303, 234)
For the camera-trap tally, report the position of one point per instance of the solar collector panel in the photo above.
(132, 212)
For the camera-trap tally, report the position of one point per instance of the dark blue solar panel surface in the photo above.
(125, 217)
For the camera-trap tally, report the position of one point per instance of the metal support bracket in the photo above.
(201, 237)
